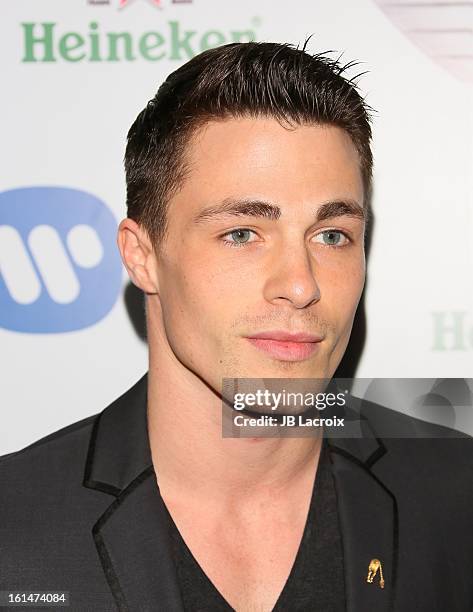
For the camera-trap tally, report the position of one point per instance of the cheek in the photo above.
(197, 301)
(341, 286)
(188, 320)
(341, 293)
(182, 295)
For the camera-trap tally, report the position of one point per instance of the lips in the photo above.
(286, 346)
(284, 336)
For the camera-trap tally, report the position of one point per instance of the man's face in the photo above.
(226, 277)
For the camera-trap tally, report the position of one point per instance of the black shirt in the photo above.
(316, 580)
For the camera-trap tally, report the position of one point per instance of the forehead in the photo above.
(260, 157)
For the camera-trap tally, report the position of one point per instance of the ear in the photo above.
(138, 255)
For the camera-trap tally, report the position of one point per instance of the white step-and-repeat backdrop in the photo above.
(74, 76)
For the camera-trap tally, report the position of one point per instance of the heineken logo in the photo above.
(452, 331)
(45, 42)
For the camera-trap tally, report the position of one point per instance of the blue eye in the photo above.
(334, 238)
(240, 237)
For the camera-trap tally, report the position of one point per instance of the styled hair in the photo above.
(253, 79)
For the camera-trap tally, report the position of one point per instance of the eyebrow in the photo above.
(259, 208)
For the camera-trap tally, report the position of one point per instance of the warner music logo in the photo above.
(59, 266)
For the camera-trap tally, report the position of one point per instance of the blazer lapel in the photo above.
(134, 548)
(131, 536)
(368, 519)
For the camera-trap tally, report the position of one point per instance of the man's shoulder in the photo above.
(63, 454)
(66, 444)
(42, 485)
(392, 423)
(420, 446)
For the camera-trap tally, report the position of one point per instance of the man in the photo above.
(248, 180)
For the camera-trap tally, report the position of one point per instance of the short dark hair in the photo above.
(235, 80)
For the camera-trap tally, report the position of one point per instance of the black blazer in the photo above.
(80, 511)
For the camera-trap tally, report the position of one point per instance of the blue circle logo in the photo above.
(60, 269)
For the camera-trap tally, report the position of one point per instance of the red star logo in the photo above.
(124, 3)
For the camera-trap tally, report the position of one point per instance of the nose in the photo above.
(292, 279)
